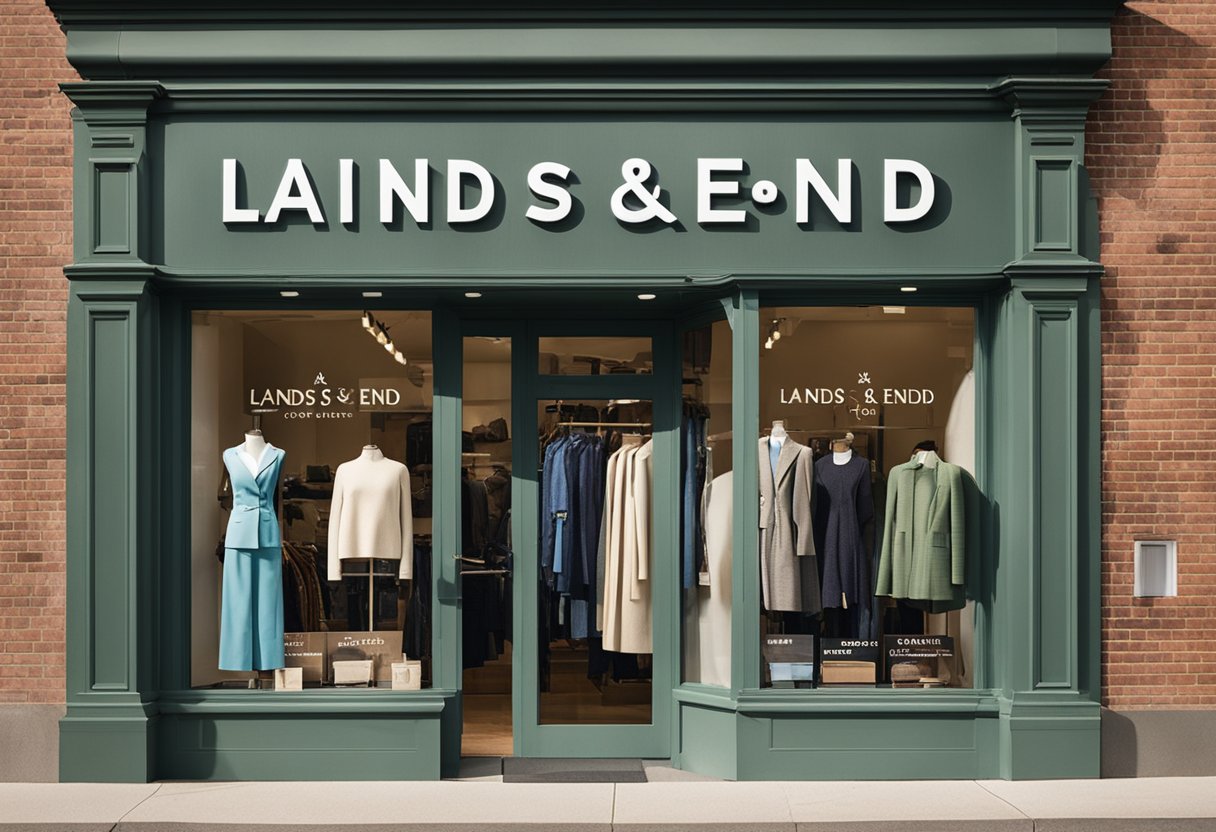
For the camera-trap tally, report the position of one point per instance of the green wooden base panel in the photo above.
(707, 742)
(107, 750)
(1051, 749)
(887, 747)
(264, 747)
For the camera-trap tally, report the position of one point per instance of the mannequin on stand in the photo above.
(371, 517)
(251, 607)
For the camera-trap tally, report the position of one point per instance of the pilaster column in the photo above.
(113, 496)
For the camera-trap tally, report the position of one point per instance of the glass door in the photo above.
(595, 537)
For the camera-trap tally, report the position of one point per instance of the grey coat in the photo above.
(788, 575)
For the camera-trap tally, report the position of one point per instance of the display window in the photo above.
(311, 509)
(868, 505)
(706, 504)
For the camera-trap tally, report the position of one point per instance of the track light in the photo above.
(379, 331)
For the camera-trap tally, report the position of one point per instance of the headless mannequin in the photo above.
(777, 435)
(842, 450)
(254, 447)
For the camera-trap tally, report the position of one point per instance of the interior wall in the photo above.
(894, 352)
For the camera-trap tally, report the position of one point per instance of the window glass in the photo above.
(595, 356)
(706, 500)
(310, 492)
(868, 430)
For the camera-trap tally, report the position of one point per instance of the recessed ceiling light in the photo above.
(472, 294)
(646, 296)
(907, 288)
(894, 310)
(373, 294)
(289, 293)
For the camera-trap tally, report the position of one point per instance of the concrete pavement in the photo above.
(672, 802)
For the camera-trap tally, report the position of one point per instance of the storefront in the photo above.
(718, 386)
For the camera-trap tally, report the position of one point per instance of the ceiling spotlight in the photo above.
(289, 293)
(381, 334)
(894, 310)
(646, 296)
(389, 348)
(907, 288)
(472, 294)
(366, 320)
(373, 294)
(768, 345)
(776, 335)
(399, 358)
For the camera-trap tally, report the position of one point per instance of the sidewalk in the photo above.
(672, 802)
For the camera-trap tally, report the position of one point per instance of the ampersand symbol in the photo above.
(635, 172)
(344, 395)
(870, 397)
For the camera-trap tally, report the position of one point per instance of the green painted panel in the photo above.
(892, 733)
(900, 747)
(1056, 545)
(111, 478)
(707, 742)
(971, 225)
(112, 212)
(109, 750)
(245, 747)
(1055, 749)
(1055, 204)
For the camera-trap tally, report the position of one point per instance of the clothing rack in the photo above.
(604, 424)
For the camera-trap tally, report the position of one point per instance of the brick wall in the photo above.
(1152, 159)
(35, 243)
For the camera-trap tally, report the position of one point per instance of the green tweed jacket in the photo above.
(924, 545)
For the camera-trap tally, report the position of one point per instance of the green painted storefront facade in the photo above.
(990, 96)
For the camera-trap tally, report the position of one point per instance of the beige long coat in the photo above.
(626, 537)
(789, 577)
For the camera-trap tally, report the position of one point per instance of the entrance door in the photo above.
(590, 573)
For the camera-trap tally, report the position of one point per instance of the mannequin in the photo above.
(251, 603)
(371, 513)
(842, 450)
(255, 445)
(778, 434)
(788, 575)
(844, 505)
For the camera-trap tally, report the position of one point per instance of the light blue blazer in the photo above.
(253, 523)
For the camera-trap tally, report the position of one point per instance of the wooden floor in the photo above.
(572, 699)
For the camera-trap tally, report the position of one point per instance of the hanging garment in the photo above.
(371, 514)
(788, 574)
(713, 611)
(251, 600)
(843, 507)
(627, 608)
(924, 546)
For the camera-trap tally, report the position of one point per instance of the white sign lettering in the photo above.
(639, 199)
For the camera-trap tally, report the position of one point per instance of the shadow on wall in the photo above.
(1158, 743)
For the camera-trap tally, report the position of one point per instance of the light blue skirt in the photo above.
(251, 610)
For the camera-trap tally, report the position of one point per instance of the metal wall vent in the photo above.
(1156, 568)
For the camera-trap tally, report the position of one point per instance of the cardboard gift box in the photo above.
(381, 647)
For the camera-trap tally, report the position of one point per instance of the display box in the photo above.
(919, 661)
(307, 651)
(381, 647)
(848, 661)
(789, 661)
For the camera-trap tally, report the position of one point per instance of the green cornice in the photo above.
(548, 41)
(493, 11)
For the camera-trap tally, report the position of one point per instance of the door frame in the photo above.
(528, 386)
